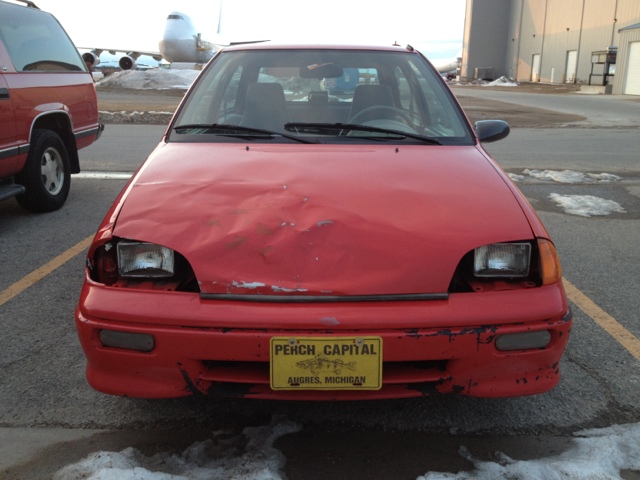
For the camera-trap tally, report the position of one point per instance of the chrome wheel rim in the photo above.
(52, 171)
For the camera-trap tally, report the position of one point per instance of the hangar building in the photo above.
(591, 42)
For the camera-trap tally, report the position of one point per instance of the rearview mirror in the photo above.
(321, 70)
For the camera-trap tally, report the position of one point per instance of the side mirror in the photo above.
(491, 130)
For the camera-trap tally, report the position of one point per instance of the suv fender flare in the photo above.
(59, 121)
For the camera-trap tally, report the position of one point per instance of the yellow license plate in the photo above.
(326, 363)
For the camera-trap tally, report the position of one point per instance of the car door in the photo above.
(8, 152)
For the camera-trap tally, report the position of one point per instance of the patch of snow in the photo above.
(570, 176)
(153, 79)
(516, 178)
(150, 117)
(586, 205)
(502, 82)
(248, 457)
(604, 177)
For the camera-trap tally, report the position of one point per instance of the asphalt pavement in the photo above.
(600, 111)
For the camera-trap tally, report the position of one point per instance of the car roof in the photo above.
(269, 45)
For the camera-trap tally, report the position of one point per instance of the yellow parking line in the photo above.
(623, 336)
(37, 275)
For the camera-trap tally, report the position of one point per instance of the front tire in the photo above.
(46, 174)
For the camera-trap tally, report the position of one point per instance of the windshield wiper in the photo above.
(235, 130)
(319, 128)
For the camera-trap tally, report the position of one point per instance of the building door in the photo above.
(535, 68)
(632, 83)
(571, 67)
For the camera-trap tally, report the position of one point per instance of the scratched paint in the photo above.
(248, 285)
(288, 290)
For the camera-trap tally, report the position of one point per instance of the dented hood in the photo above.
(320, 219)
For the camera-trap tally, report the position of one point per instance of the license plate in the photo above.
(326, 363)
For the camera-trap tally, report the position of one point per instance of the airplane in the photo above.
(181, 43)
(445, 65)
(448, 66)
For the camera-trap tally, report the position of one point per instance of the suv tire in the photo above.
(46, 175)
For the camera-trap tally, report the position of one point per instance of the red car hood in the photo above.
(327, 219)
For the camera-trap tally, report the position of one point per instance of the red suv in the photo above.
(48, 108)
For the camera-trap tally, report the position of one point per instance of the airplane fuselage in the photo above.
(185, 50)
(181, 41)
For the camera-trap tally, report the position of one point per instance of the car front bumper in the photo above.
(222, 347)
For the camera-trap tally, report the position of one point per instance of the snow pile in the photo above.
(516, 178)
(152, 79)
(248, 457)
(570, 176)
(149, 118)
(502, 82)
(499, 82)
(597, 454)
(586, 205)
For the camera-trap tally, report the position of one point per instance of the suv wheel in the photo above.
(46, 175)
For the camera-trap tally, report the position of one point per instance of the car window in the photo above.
(292, 91)
(36, 41)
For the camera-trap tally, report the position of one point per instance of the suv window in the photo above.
(36, 41)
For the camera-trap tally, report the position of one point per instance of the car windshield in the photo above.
(323, 96)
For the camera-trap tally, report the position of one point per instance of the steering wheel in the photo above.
(380, 111)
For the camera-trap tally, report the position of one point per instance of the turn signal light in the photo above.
(550, 268)
(523, 341)
(139, 342)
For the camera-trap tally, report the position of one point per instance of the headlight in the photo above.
(148, 260)
(502, 260)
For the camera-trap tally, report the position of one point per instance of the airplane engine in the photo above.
(127, 63)
(91, 59)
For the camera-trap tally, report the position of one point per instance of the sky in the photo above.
(597, 453)
(433, 26)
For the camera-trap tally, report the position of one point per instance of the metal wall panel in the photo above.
(533, 15)
(556, 30)
(561, 35)
(627, 13)
(513, 38)
(486, 28)
(598, 29)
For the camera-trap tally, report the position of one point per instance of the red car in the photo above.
(322, 223)
(48, 108)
